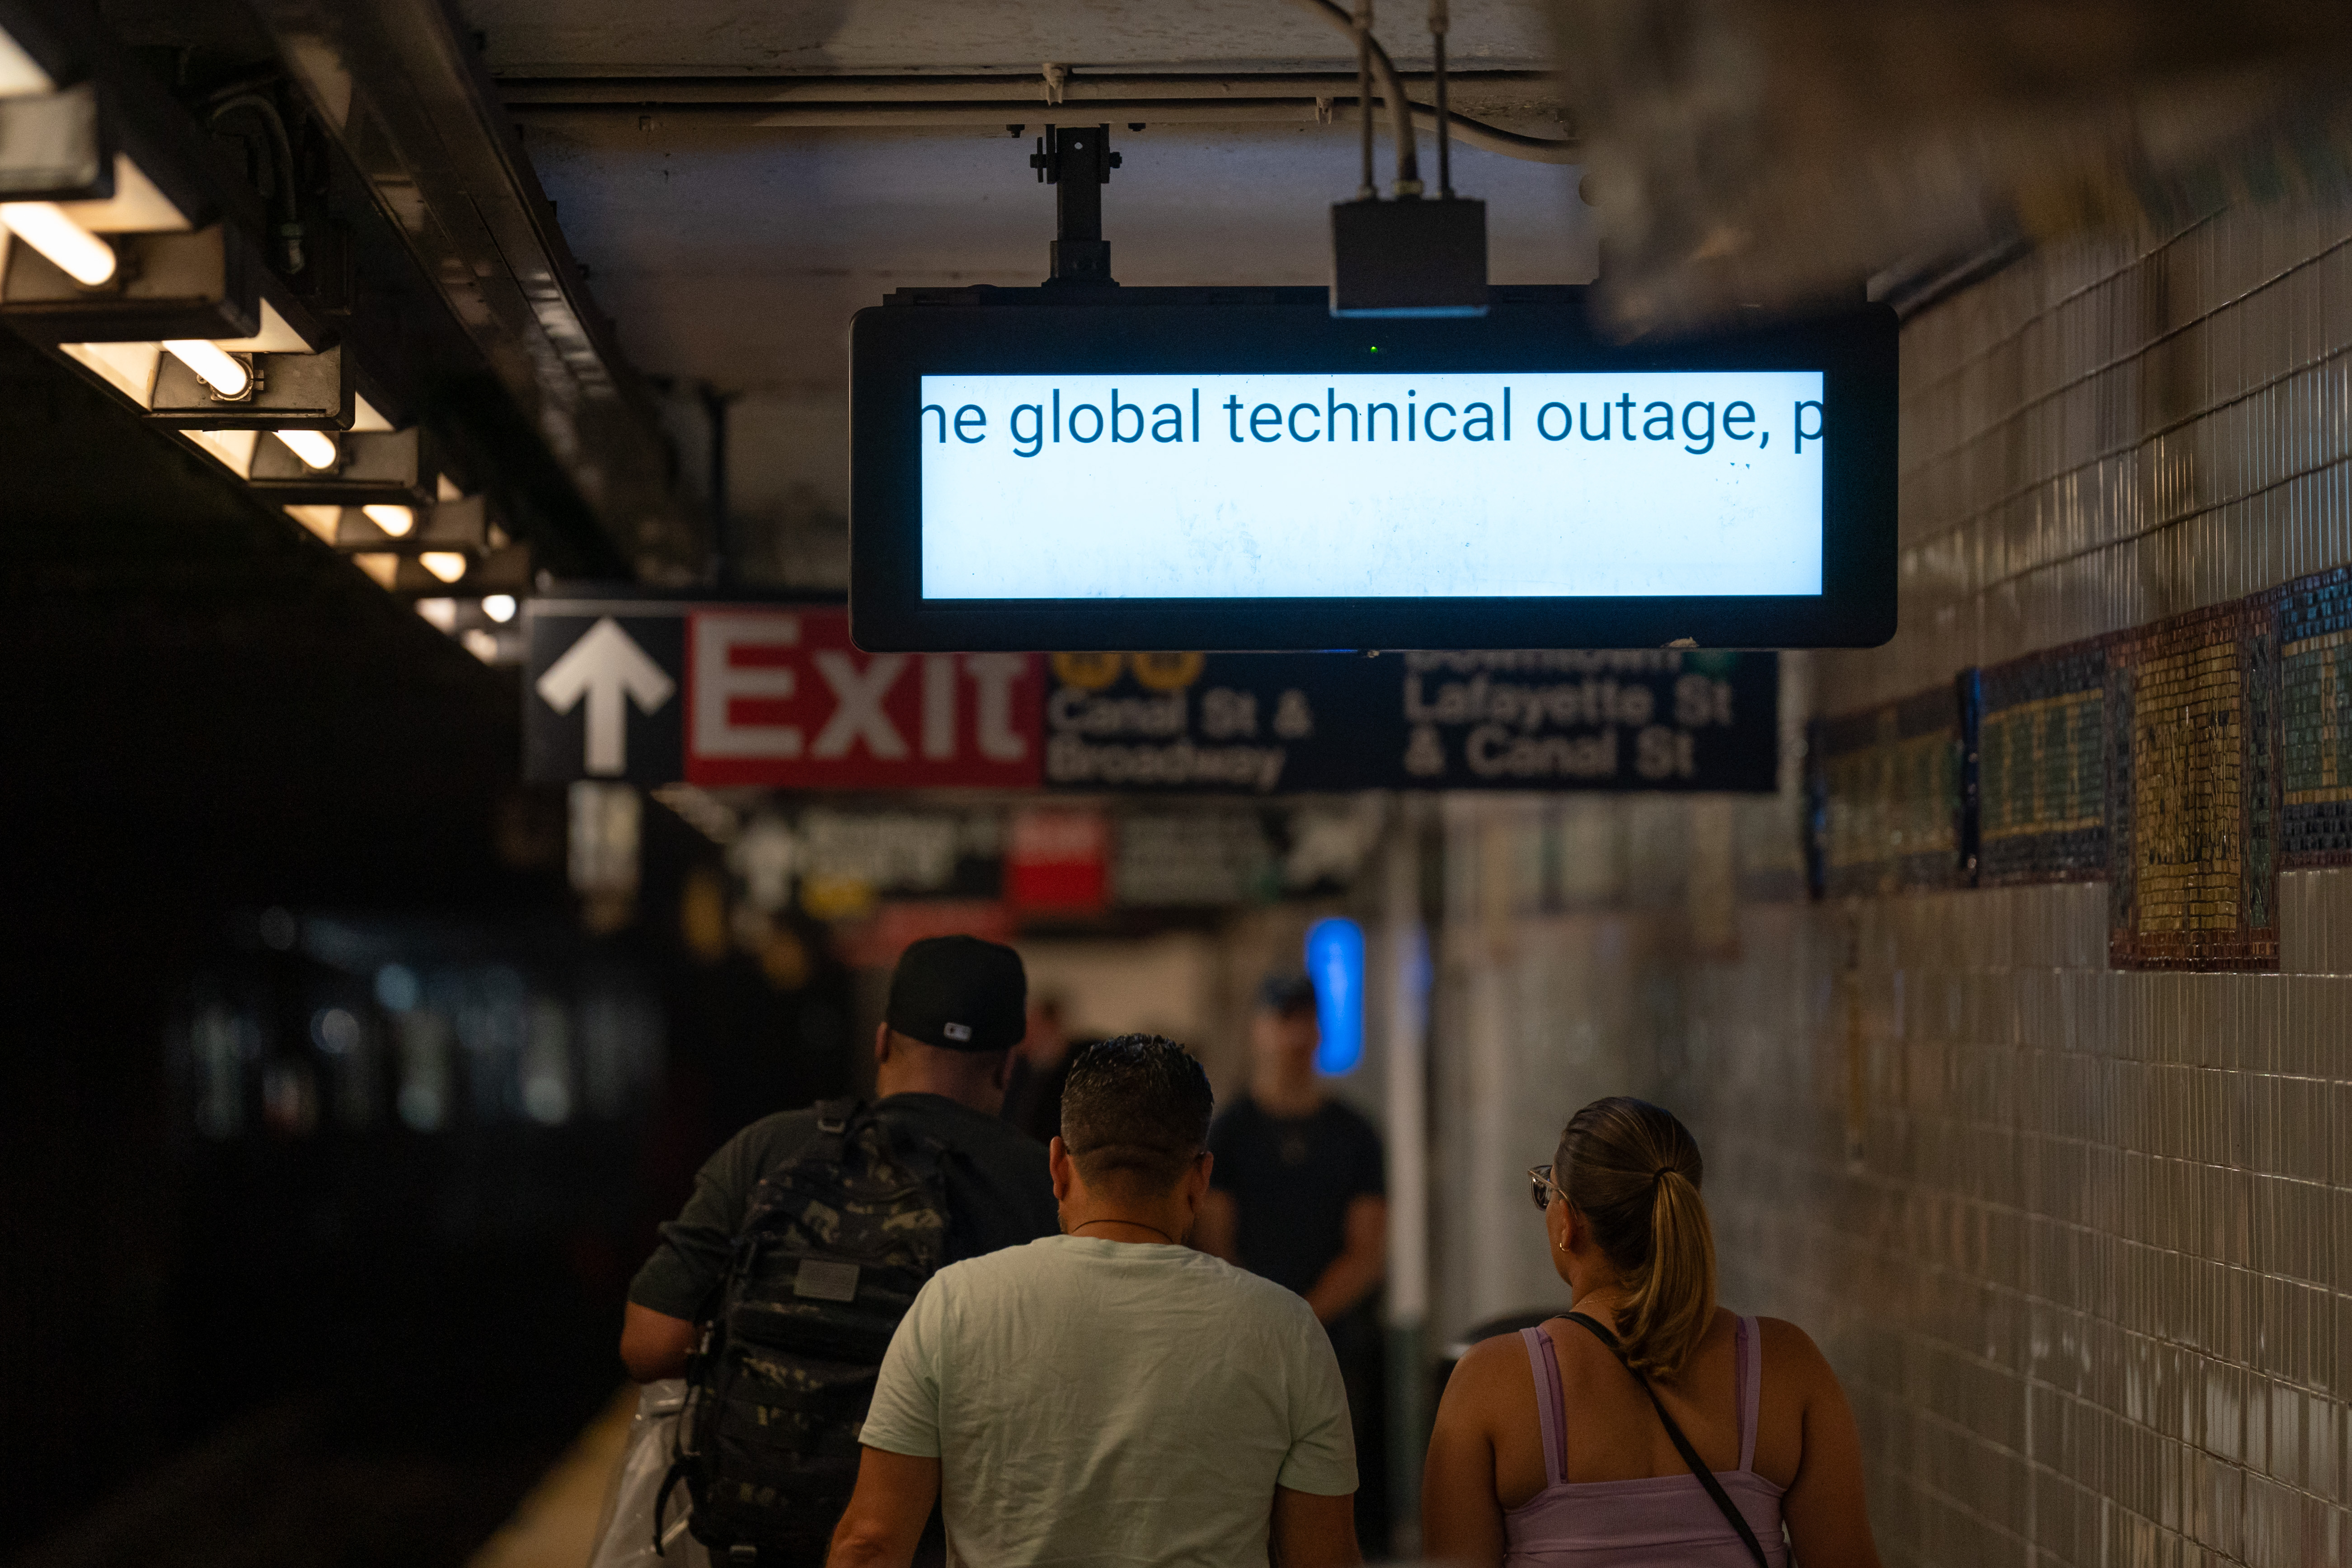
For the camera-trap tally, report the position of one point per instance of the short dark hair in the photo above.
(1135, 1111)
(1287, 995)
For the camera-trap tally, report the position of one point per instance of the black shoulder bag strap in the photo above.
(1682, 1444)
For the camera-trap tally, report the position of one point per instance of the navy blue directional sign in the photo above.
(603, 698)
(1520, 720)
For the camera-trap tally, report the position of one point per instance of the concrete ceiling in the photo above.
(738, 255)
(734, 256)
(719, 37)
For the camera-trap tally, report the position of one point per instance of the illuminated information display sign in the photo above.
(1390, 487)
(1426, 484)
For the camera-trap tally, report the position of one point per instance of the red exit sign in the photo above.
(780, 698)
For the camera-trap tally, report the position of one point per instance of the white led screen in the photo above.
(1372, 486)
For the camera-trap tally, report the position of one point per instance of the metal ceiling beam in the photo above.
(402, 89)
(1471, 86)
(1162, 111)
(1167, 98)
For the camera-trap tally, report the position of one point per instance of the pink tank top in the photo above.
(1668, 1521)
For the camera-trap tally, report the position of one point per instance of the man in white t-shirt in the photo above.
(1108, 1396)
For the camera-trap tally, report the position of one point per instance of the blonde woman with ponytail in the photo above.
(1648, 1426)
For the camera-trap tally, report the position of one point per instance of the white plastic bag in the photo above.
(624, 1535)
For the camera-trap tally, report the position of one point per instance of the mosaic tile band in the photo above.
(2185, 762)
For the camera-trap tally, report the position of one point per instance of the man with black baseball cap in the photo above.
(958, 1007)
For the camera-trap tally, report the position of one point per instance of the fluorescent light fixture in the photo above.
(276, 337)
(441, 613)
(315, 448)
(78, 253)
(135, 207)
(321, 519)
(227, 375)
(368, 421)
(127, 367)
(19, 72)
(446, 564)
(396, 521)
(500, 607)
(232, 448)
(446, 488)
(384, 570)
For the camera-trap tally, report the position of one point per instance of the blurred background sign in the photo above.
(1058, 860)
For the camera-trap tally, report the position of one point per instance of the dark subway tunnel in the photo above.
(259, 1309)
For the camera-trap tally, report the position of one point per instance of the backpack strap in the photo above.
(836, 1120)
(833, 1119)
(1738, 1520)
(839, 1120)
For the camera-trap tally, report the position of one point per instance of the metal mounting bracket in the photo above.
(1077, 160)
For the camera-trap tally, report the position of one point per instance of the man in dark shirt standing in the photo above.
(958, 1007)
(1298, 1194)
(1041, 1066)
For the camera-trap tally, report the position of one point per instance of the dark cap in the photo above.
(1286, 993)
(960, 994)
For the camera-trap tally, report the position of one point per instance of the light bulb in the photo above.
(446, 564)
(215, 367)
(500, 607)
(79, 254)
(315, 448)
(396, 521)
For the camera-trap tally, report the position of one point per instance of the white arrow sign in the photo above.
(606, 666)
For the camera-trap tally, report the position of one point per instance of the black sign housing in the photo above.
(1273, 331)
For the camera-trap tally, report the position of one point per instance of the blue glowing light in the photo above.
(1335, 961)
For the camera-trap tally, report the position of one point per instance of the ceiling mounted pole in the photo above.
(1437, 25)
(1408, 168)
(1368, 188)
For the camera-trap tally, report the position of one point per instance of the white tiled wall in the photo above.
(2078, 1240)
(2105, 435)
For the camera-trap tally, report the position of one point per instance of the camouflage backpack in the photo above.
(835, 1246)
